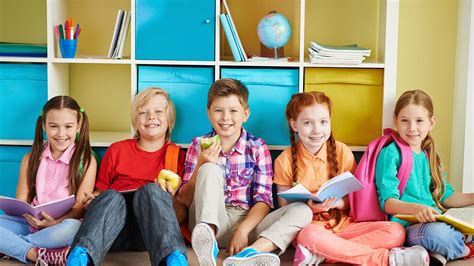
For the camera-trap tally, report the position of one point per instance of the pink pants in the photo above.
(365, 243)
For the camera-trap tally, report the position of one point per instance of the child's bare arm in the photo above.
(458, 200)
(22, 187)
(281, 201)
(422, 212)
(254, 217)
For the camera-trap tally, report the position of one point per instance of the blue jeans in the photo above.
(16, 238)
(437, 237)
(139, 221)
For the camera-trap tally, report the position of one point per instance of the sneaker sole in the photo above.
(202, 241)
(300, 258)
(257, 260)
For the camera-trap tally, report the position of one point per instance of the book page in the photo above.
(339, 186)
(465, 214)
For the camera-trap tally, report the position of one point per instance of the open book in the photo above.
(338, 187)
(55, 208)
(460, 218)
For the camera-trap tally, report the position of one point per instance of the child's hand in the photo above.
(424, 214)
(87, 200)
(39, 224)
(324, 206)
(209, 155)
(168, 187)
(238, 242)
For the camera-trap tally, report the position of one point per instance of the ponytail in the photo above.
(81, 156)
(437, 186)
(294, 154)
(35, 157)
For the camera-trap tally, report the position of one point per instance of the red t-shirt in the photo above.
(125, 166)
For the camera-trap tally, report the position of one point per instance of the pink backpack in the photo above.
(365, 203)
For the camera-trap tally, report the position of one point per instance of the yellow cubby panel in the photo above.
(104, 92)
(341, 22)
(97, 20)
(357, 97)
(246, 15)
(23, 21)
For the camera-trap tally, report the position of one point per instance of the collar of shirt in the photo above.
(65, 157)
(321, 155)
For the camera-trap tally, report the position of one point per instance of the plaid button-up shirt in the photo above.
(247, 170)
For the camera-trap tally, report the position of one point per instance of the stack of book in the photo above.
(232, 36)
(328, 54)
(23, 49)
(120, 34)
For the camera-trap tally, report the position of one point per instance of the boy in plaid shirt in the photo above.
(228, 188)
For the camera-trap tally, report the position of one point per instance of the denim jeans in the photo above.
(16, 238)
(436, 237)
(136, 221)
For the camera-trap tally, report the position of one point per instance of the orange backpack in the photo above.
(171, 163)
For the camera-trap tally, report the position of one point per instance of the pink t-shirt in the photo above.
(52, 176)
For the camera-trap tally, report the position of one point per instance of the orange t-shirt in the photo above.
(313, 171)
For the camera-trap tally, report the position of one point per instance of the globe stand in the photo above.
(275, 52)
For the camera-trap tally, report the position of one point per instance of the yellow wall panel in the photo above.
(23, 21)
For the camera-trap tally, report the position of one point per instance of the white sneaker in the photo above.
(409, 256)
(204, 244)
(304, 257)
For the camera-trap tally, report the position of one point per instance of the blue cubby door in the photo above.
(23, 91)
(10, 160)
(175, 30)
(188, 88)
(270, 89)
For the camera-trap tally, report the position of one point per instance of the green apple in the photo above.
(207, 142)
(167, 176)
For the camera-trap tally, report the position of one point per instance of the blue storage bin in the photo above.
(188, 88)
(175, 30)
(24, 91)
(270, 89)
(10, 160)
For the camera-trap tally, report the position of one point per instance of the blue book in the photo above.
(236, 37)
(230, 37)
(338, 187)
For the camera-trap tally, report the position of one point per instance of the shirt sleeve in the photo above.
(262, 185)
(348, 161)
(191, 160)
(448, 189)
(386, 170)
(283, 170)
(106, 170)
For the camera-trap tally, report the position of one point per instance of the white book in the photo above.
(123, 34)
(232, 25)
(118, 24)
(338, 187)
(315, 54)
(120, 36)
(344, 49)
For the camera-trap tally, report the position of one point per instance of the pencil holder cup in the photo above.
(68, 48)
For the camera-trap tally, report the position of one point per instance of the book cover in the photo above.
(338, 187)
(115, 35)
(240, 46)
(460, 218)
(343, 49)
(56, 209)
(230, 37)
(123, 34)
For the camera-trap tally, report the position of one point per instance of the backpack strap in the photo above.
(171, 157)
(406, 164)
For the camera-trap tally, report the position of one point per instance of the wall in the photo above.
(426, 60)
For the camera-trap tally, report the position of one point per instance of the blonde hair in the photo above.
(293, 109)
(143, 98)
(420, 98)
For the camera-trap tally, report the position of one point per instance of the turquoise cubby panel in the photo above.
(10, 160)
(175, 30)
(23, 90)
(188, 88)
(270, 89)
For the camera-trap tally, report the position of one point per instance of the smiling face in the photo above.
(313, 126)
(61, 127)
(151, 120)
(413, 123)
(227, 115)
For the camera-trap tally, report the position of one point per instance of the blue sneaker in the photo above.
(176, 258)
(204, 244)
(78, 257)
(250, 257)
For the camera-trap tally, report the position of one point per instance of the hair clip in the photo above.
(81, 110)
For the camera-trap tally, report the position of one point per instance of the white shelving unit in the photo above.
(62, 71)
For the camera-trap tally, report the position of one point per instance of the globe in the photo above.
(274, 30)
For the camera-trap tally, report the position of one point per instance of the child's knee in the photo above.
(302, 211)
(395, 234)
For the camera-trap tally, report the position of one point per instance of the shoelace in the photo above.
(54, 257)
